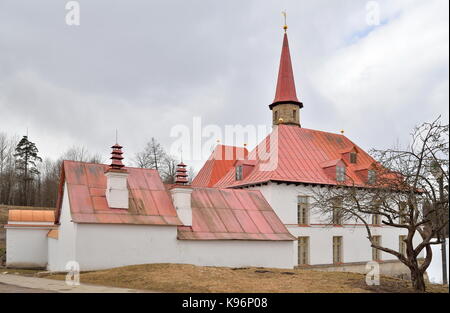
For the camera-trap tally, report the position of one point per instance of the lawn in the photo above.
(190, 278)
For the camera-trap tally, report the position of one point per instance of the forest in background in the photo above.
(27, 179)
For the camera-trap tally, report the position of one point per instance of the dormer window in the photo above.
(353, 157)
(340, 173)
(239, 172)
(371, 177)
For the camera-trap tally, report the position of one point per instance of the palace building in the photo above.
(244, 208)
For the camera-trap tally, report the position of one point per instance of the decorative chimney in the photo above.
(116, 180)
(181, 195)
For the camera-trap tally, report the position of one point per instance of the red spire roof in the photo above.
(286, 85)
(116, 157)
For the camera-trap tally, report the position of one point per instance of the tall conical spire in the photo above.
(285, 107)
(285, 91)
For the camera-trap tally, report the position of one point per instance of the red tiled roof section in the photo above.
(219, 163)
(228, 214)
(150, 202)
(300, 156)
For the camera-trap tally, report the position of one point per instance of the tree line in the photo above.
(27, 179)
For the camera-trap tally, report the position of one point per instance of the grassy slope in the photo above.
(189, 278)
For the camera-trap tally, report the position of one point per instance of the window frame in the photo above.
(371, 177)
(239, 173)
(303, 210)
(353, 157)
(303, 243)
(376, 254)
(340, 173)
(338, 243)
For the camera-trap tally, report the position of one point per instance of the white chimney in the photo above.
(181, 196)
(116, 181)
(116, 189)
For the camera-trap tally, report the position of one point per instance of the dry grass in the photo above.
(190, 278)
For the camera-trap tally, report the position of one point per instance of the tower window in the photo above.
(239, 172)
(294, 113)
(353, 157)
(276, 116)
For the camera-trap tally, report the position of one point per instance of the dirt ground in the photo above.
(189, 278)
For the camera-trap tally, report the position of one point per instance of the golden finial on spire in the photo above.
(285, 27)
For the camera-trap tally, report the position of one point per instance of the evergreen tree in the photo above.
(26, 164)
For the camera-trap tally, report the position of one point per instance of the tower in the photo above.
(286, 106)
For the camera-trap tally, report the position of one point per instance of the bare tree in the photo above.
(81, 154)
(399, 185)
(152, 156)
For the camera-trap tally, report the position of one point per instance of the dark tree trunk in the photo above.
(417, 279)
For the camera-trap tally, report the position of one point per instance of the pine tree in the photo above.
(26, 158)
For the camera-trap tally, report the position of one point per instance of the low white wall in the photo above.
(26, 247)
(237, 253)
(106, 246)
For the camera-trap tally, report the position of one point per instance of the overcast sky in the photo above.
(145, 66)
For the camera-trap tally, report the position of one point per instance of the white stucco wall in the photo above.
(356, 246)
(101, 246)
(26, 247)
(237, 253)
(62, 250)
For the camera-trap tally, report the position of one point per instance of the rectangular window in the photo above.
(294, 113)
(376, 254)
(376, 219)
(303, 210)
(371, 177)
(238, 172)
(337, 212)
(353, 157)
(340, 173)
(303, 250)
(402, 245)
(402, 213)
(337, 250)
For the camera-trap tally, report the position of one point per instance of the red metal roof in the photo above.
(219, 163)
(150, 203)
(300, 156)
(220, 214)
(285, 91)
(31, 216)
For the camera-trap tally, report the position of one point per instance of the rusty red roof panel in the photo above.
(150, 203)
(299, 156)
(229, 214)
(221, 160)
(286, 85)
